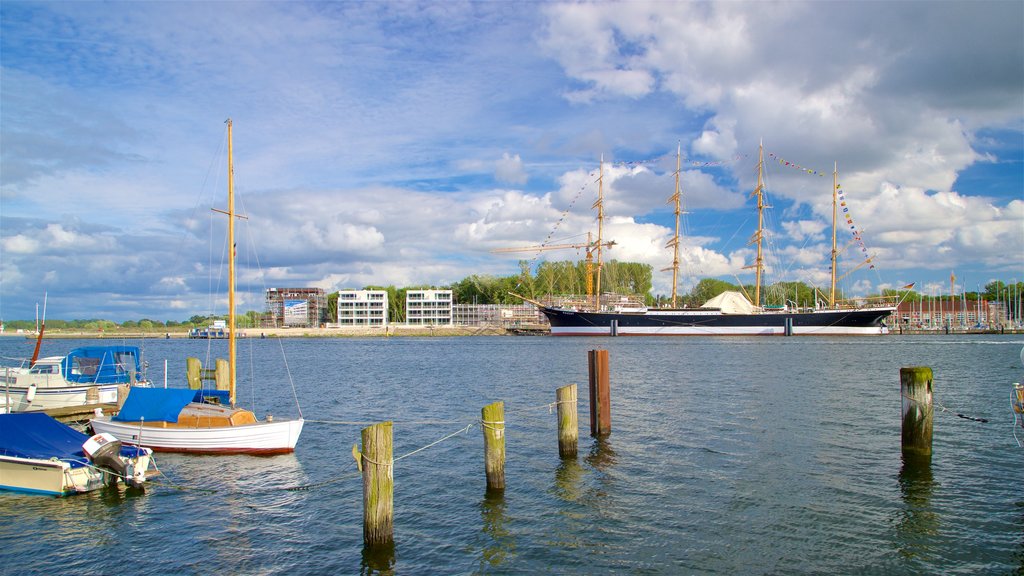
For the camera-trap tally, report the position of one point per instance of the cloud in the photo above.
(509, 170)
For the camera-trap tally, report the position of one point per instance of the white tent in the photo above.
(731, 303)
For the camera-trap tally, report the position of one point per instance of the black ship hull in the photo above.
(698, 322)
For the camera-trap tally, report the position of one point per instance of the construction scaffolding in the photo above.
(504, 315)
(296, 307)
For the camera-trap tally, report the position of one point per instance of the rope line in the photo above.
(435, 443)
(943, 408)
(356, 423)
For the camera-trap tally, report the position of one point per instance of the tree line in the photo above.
(561, 278)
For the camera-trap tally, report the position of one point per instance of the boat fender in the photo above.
(104, 450)
(30, 394)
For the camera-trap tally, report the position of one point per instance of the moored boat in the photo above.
(730, 313)
(42, 456)
(86, 375)
(176, 420)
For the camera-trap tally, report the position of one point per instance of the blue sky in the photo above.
(400, 142)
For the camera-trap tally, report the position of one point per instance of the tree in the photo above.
(708, 288)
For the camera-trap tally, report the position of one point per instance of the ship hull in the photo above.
(860, 322)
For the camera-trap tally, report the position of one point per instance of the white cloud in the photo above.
(509, 170)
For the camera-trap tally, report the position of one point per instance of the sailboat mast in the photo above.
(232, 358)
(675, 239)
(599, 204)
(835, 213)
(759, 192)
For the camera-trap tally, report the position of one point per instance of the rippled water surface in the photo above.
(727, 456)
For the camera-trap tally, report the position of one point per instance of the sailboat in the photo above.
(180, 420)
(729, 313)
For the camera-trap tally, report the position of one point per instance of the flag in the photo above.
(909, 286)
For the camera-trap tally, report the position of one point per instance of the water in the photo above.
(727, 455)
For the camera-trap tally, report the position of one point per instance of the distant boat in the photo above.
(42, 456)
(86, 375)
(170, 420)
(731, 314)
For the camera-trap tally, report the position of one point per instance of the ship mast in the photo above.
(835, 212)
(757, 237)
(599, 204)
(232, 358)
(674, 242)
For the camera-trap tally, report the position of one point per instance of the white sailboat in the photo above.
(176, 420)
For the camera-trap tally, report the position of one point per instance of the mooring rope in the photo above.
(943, 408)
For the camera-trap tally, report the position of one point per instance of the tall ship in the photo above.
(728, 314)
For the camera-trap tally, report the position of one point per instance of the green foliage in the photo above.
(550, 279)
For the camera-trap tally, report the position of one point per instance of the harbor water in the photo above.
(726, 456)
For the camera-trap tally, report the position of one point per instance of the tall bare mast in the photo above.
(759, 235)
(599, 204)
(232, 355)
(674, 242)
(232, 358)
(835, 214)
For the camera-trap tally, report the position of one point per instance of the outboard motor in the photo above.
(105, 452)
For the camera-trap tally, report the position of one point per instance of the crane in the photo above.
(590, 246)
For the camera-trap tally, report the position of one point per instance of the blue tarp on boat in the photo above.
(36, 435)
(154, 404)
(115, 364)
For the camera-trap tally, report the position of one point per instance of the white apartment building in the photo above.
(428, 307)
(363, 308)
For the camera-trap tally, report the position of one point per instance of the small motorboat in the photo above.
(40, 455)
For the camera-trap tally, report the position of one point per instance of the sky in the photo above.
(399, 143)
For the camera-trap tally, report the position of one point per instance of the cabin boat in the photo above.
(86, 375)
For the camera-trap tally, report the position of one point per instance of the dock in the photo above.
(79, 413)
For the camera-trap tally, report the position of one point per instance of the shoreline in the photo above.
(393, 331)
(302, 332)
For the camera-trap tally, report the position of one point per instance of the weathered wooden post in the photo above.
(193, 368)
(223, 375)
(375, 462)
(492, 420)
(568, 421)
(600, 394)
(916, 392)
(122, 394)
(92, 395)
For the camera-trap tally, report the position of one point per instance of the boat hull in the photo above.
(56, 477)
(46, 398)
(259, 438)
(868, 321)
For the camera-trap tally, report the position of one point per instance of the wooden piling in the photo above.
(122, 394)
(193, 368)
(223, 375)
(568, 421)
(916, 392)
(375, 461)
(492, 420)
(600, 394)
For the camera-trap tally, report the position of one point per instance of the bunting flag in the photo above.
(795, 166)
(841, 197)
(686, 162)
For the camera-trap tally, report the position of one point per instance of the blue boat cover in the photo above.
(102, 364)
(154, 404)
(36, 435)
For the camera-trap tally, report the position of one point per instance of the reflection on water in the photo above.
(568, 480)
(602, 455)
(918, 522)
(378, 559)
(502, 543)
